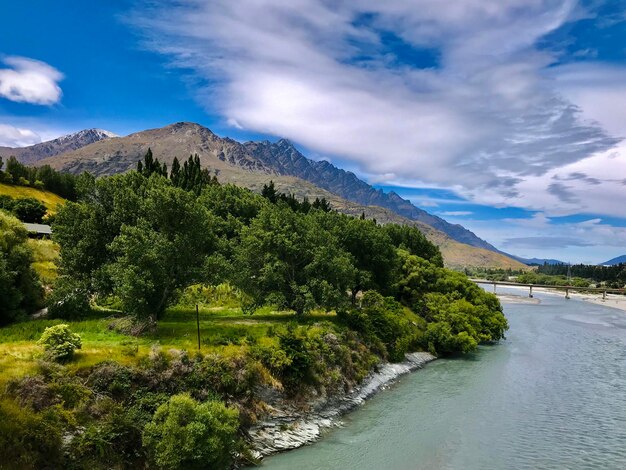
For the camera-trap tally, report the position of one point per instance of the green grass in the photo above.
(45, 255)
(222, 330)
(50, 200)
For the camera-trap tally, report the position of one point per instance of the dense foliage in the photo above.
(614, 276)
(185, 434)
(40, 177)
(143, 239)
(20, 289)
(26, 209)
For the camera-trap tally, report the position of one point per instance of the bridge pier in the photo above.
(494, 287)
(530, 294)
(603, 296)
(567, 293)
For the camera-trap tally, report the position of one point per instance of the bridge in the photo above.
(567, 289)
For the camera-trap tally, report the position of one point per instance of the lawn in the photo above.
(50, 200)
(222, 330)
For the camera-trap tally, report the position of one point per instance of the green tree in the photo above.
(185, 434)
(286, 259)
(138, 237)
(20, 289)
(29, 210)
(269, 192)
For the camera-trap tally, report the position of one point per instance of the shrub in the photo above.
(111, 441)
(29, 210)
(29, 439)
(59, 343)
(186, 434)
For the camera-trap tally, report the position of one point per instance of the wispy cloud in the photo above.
(30, 81)
(485, 117)
(455, 213)
(11, 136)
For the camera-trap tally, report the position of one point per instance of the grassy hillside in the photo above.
(50, 200)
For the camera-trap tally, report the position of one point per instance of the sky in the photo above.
(505, 116)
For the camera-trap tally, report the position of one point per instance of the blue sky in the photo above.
(506, 117)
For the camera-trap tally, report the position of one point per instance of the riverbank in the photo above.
(288, 426)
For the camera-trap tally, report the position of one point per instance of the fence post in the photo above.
(198, 324)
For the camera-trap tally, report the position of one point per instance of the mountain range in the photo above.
(66, 143)
(253, 164)
(618, 260)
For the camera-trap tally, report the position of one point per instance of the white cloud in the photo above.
(455, 213)
(11, 136)
(30, 81)
(494, 120)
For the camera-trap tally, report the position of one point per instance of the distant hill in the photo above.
(254, 164)
(537, 261)
(66, 143)
(611, 262)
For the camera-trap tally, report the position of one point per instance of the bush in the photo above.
(186, 434)
(29, 210)
(29, 439)
(111, 441)
(59, 343)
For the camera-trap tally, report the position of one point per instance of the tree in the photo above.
(461, 315)
(411, 239)
(288, 260)
(140, 238)
(175, 176)
(269, 192)
(20, 289)
(29, 210)
(185, 434)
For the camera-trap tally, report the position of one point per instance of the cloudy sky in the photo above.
(506, 116)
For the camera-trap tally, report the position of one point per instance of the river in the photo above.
(553, 395)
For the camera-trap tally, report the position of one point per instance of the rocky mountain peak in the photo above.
(50, 148)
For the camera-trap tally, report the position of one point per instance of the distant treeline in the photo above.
(42, 177)
(606, 274)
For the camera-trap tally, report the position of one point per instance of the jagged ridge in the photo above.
(285, 159)
(65, 143)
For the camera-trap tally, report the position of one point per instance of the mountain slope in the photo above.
(66, 143)
(285, 159)
(536, 261)
(618, 260)
(239, 164)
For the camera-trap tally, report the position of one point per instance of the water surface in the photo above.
(553, 395)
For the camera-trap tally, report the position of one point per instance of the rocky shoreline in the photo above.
(288, 427)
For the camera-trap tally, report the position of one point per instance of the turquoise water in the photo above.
(553, 395)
